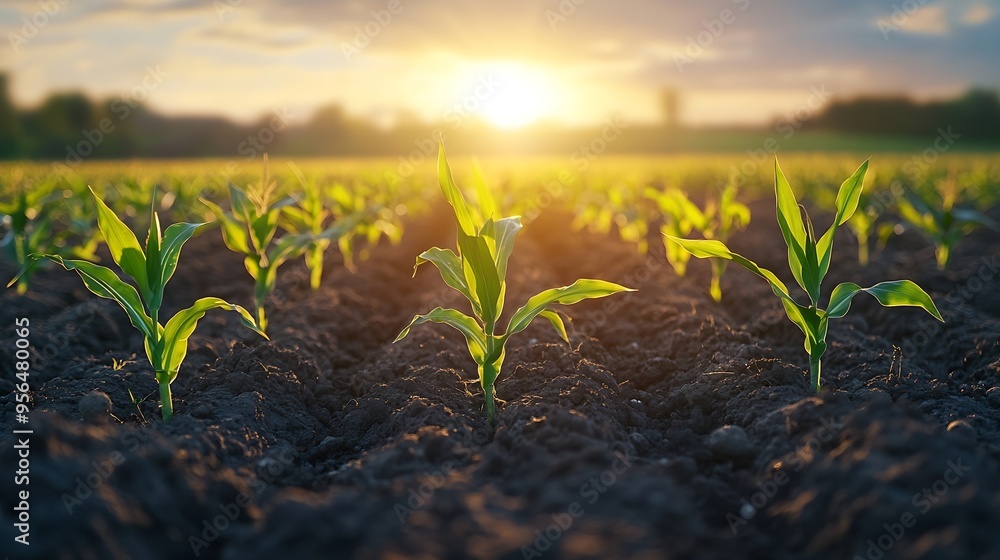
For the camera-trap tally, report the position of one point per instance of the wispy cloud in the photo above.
(606, 57)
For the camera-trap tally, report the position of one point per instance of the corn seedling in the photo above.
(935, 216)
(150, 268)
(809, 260)
(719, 220)
(609, 206)
(311, 215)
(478, 272)
(680, 216)
(33, 224)
(249, 229)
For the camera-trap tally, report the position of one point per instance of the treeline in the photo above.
(974, 115)
(69, 128)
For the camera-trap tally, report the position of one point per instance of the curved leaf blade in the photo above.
(904, 293)
(896, 293)
(712, 248)
(233, 233)
(181, 326)
(566, 295)
(103, 282)
(450, 267)
(557, 323)
(501, 235)
(453, 195)
(174, 239)
(849, 194)
(461, 322)
(124, 247)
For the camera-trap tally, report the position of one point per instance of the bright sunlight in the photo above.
(523, 97)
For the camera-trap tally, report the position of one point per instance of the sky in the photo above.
(513, 62)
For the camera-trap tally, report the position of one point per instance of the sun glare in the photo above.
(522, 96)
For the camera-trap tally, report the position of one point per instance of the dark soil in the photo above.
(330, 442)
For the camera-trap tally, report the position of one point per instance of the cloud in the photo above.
(977, 14)
(603, 57)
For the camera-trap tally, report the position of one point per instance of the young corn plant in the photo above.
(29, 223)
(680, 217)
(34, 225)
(150, 267)
(309, 215)
(605, 205)
(720, 220)
(249, 229)
(940, 221)
(809, 260)
(478, 271)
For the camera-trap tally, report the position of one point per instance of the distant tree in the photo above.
(669, 105)
(974, 115)
(10, 133)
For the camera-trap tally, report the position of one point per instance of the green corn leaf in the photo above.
(557, 323)
(484, 197)
(850, 194)
(793, 229)
(154, 270)
(967, 216)
(243, 208)
(288, 247)
(262, 230)
(711, 248)
(454, 196)
(457, 320)
(181, 326)
(890, 294)
(848, 198)
(789, 215)
(103, 282)
(450, 268)
(566, 295)
(233, 232)
(341, 227)
(481, 276)
(913, 210)
(173, 241)
(501, 235)
(691, 212)
(124, 247)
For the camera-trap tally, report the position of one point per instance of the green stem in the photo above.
(863, 251)
(261, 318)
(490, 404)
(166, 401)
(315, 267)
(487, 376)
(943, 256)
(716, 287)
(815, 365)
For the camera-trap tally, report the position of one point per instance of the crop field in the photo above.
(504, 358)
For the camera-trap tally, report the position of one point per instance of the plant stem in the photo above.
(814, 372)
(943, 256)
(261, 318)
(863, 251)
(490, 404)
(716, 289)
(487, 376)
(315, 267)
(166, 401)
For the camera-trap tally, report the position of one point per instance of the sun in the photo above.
(522, 97)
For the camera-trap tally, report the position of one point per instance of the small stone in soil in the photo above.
(201, 410)
(95, 407)
(731, 442)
